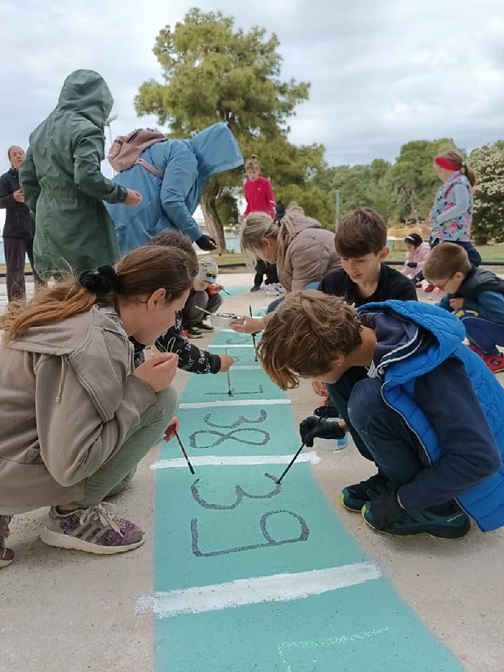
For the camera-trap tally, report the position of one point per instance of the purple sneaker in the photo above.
(93, 530)
(6, 554)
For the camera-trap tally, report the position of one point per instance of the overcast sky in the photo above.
(382, 72)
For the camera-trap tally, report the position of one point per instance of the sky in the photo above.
(382, 73)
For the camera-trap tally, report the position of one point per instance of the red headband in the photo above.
(446, 163)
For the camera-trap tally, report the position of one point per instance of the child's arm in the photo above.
(489, 306)
(246, 193)
(451, 406)
(445, 303)
(461, 198)
(271, 197)
(191, 358)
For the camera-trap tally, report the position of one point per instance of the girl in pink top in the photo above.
(416, 256)
(258, 190)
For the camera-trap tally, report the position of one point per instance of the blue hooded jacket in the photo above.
(169, 202)
(425, 338)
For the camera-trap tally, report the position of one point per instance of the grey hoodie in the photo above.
(68, 399)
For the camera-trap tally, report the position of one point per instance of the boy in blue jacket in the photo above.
(418, 403)
(475, 295)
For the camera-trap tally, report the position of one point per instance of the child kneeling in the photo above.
(418, 403)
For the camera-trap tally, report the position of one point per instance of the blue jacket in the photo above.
(435, 382)
(169, 202)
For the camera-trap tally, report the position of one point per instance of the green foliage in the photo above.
(488, 219)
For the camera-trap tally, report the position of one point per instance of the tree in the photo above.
(414, 180)
(215, 72)
(488, 218)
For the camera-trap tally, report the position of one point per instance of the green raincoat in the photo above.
(62, 182)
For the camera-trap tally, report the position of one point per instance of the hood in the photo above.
(217, 150)
(405, 331)
(296, 222)
(87, 93)
(66, 336)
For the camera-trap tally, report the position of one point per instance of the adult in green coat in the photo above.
(62, 183)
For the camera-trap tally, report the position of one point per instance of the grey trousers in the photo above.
(191, 315)
(115, 474)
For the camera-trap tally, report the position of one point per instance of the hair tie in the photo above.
(101, 281)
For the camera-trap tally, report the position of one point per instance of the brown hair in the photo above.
(457, 158)
(305, 334)
(360, 232)
(259, 225)
(180, 241)
(139, 273)
(252, 162)
(445, 260)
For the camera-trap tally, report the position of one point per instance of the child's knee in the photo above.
(363, 401)
(163, 410)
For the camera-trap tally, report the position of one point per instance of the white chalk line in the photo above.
(234, 460)
(234, 402)
(251, 367)
(274, 588)
(230, 345)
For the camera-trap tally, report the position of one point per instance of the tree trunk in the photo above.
(213, 224)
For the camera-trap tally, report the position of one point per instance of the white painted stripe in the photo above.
(234, 402)
(274, 588)
(231, 345)
(245, 367)
(234, 460)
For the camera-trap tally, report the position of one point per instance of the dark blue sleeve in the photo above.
(449, 401)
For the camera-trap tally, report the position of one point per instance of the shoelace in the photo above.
(105, 515)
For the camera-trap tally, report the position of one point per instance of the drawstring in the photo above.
(62, 379)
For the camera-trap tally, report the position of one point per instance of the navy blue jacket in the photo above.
(450, 400)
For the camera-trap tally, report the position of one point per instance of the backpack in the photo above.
(126, 149)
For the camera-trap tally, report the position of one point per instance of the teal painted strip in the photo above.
(230, 523)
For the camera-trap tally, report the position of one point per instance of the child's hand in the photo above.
(158, 372)
(457, 304)
(214, 289)
(226, 363)
(248, 325)
(172, 429)
(320, 389)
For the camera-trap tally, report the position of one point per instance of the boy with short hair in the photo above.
(475, 295)
(361, 242)
(418, 403)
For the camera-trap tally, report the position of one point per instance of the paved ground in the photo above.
(66, 611)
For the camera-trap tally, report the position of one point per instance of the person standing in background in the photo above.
(19, 227)
(63, 184)
(259, 196)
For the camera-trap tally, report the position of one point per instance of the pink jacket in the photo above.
(419, 256)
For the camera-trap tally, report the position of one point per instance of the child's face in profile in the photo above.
(365, 269)
(200, 285)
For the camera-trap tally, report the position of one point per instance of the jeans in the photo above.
(483, 334)
(472, 252)
(117, 472)
(380, 433)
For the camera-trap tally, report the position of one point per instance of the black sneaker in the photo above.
(256, 288)
(193, 332)
(354, 497)
(447, 522)
(202, 326)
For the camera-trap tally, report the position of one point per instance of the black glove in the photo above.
(385, 509)
(412, 264)
(206, 243)
(313, 428)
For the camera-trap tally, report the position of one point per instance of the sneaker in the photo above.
(193, 332)
(256, 288)
(204, 327)
(6, 554)
(430, 288)
(447, 522)
(494, 362)
(93, 530)
(354, 497)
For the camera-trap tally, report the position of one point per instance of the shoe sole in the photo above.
(440, 537)
(348, 508)
(6, 563)
(58, 540)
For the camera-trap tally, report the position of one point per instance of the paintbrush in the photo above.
(184, 453)
(253, 337)
(228, 376)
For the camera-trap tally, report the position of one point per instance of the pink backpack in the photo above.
(126, 150)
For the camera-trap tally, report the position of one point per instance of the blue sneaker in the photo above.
(442, 522)
(354, 497)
